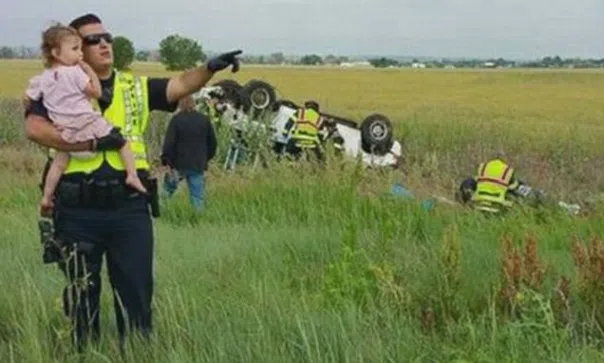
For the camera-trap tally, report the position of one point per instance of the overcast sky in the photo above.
(453, 28)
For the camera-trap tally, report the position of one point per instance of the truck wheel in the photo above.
(376, 134)
(258, 96)
(232, 91)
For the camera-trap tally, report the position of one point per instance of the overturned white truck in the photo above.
(256, 105)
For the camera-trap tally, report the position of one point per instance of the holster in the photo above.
(51, 247)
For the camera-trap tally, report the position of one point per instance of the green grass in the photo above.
(293, 265)
(307, 274)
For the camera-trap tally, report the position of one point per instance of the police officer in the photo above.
(303, 131)
(490, 189)
(95, 212)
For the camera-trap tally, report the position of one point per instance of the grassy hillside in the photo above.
(296, 265)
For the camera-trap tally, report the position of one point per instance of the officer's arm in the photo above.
(39, 130)
(187, 83)
(191, 81)
(514, 184)
(321, 122)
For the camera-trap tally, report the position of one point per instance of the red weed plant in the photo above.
(520, 269)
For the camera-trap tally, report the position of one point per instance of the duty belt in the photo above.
(104, 193)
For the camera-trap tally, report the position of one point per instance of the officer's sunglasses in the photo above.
(94, 39)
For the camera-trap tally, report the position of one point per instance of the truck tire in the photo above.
(376, 134)
(232, 91)
(258, 96)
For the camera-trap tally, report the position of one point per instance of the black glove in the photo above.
(113, 141)
(224, 60)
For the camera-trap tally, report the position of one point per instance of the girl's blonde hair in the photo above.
(52, 38)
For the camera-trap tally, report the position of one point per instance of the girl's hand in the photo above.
(85, 66)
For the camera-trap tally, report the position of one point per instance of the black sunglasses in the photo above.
(94, 39)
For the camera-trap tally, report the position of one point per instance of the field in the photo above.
(291, 265)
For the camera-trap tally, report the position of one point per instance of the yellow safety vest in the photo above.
(306, 129)
(493, 182)
(213, 114)
(129, 110)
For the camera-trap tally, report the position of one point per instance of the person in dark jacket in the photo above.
(189, 145)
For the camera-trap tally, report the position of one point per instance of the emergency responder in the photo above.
(214, 107)
(303, 132)
(95, 213)
(489, 190)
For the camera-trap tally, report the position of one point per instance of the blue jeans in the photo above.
(195, 182)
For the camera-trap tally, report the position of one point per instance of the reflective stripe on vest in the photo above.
(493, 180)
(213, 113)
(129, 110)
(306, 127)
(494, 175)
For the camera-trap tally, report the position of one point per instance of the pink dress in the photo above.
(62, 91)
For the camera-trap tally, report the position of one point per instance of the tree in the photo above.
(179, 53)
(311, 59)
(276, 58)
(330, 59)
(143, 55)
(7, 52)
(123, 52)
(383, 62)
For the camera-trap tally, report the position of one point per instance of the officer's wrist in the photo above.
(209, 69)
(92, 145)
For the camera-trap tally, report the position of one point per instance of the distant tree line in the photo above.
(177, 52)
(546, 62)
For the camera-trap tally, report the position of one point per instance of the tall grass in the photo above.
(299, 264)
(276, 273)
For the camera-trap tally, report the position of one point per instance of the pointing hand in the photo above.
(224, 60)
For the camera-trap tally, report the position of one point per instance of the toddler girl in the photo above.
(65, 87)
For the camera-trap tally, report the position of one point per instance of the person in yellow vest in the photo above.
(95, 212)
(303, 131)
(215, 107)
(494, 182)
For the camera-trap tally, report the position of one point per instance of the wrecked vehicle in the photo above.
(255, 106)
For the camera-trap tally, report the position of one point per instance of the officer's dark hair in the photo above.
(85, 19)
(312, 105)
